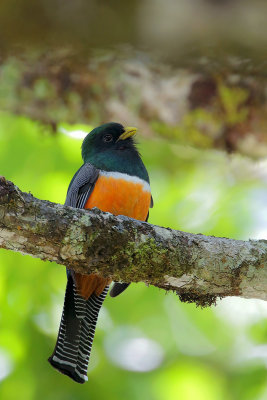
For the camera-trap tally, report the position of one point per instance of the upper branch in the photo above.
(198, 267)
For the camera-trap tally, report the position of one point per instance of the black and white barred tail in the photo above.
(76, 333)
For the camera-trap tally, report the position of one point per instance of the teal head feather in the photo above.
(111, 147)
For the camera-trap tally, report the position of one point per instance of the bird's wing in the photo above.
(151, 206)
(81, 186)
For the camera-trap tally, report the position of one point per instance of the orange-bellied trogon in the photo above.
(114, 179)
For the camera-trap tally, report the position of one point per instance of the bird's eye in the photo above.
(108, 138)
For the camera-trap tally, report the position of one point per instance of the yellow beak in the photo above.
(129, 131)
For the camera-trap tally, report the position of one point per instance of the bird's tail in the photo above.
(76, 332)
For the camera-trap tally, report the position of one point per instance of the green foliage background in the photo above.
(188, 353)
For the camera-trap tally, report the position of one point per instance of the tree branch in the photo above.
(200, 268)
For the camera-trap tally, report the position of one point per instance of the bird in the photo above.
(114, 179)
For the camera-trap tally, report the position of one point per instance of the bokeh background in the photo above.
(147, 342)
(192, 77)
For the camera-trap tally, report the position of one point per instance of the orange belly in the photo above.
(89, 284)
(119, 197)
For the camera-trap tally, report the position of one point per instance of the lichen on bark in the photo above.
(199, 268)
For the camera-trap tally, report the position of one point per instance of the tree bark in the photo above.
(199, 268)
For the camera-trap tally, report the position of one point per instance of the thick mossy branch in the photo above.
(199, 268)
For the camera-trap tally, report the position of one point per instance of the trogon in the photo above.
(114, 179)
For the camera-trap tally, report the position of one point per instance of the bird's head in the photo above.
(109, 139)
(111, 147)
